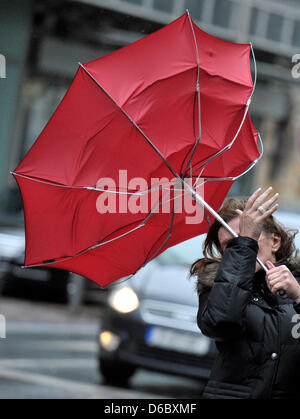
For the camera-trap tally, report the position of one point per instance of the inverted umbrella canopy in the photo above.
(133, 130)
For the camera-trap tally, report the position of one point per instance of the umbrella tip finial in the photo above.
(187, 11)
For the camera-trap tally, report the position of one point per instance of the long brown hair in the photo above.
(212, 250)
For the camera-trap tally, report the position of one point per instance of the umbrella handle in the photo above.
(200, 200)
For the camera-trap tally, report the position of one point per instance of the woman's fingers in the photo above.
(267, 204)
(252, 199)
(274, 270)
(270, 265)
(272, 279)
(258, 199)
(281, 278)
(275, 274)
(251, 220)
(277, 281)
(280, 285)
(262, 198)
(270, 211)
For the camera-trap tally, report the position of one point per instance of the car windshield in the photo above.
(297, 241)
(184, 253)
(187, 252)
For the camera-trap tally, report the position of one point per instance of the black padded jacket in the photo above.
(256, 333)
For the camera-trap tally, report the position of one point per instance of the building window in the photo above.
(43, 95)
(254, 20)
(138, 2)
(222, 13)
(195, 8)
(296, 35)
(163, 6)
(275, 25)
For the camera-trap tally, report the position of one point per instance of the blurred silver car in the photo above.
(40, 282)
(53, 282)
(150, 321)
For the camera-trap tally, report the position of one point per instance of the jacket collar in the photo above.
(261, 290)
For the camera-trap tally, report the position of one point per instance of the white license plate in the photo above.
(176, 341)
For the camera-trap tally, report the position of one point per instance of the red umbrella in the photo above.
(154, 124)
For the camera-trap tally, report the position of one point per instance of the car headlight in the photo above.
(124, 300)
(109, 341)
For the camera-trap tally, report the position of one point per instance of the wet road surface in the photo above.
(58, 359)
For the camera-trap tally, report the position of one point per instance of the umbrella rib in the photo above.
(171, 226)
(64, 259)
(133, 122)
(241, 174)
(199, 176)
(198, 97)
(241, 125)
(91, 188)
(203, 208)
(142, 224)
(165, 241)
(233, 140)
(195, 186)
(234, 178)
(46, 182)
(158, 250)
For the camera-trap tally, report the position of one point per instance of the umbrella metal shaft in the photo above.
(204, 204)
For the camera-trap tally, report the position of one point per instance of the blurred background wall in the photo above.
(43, 41)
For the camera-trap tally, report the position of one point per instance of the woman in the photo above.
(254, 328)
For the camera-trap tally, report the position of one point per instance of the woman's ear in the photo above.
(276, 242)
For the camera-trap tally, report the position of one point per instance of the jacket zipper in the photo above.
(278, 359)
